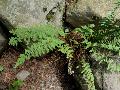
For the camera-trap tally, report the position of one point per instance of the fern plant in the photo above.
(83, 62)
(16, 84)
(87, 74)
(106, 41)
(38, 40)
(103, 47)
(103, 44)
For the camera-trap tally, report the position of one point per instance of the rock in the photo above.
(22, 75)
(3, 40)
(111, 81)
(105, 80)
(24, 12)
(81, 12)
(98, 75)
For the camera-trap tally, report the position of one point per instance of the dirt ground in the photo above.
(46, 73)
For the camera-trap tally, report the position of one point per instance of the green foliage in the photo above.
(84, 70)
(16, 84)
(1, 68)
(87, 33)
(66, 49)
(38, 40)
(104, 40)
(87, 74)
(112, 62)
(103, 44)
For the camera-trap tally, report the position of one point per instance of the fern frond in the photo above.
(13, 41)
(87, 74)
(66, 49)
(38, 40)
(20, 60)
(113, 63)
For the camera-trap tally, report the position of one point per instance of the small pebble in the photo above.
(22, 75)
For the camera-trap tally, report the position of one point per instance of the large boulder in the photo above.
(80, 12)
(25, 12)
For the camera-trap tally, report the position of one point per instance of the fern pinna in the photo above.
(38, 40)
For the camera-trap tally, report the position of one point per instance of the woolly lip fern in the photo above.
(103, 40)
(103, 43)
(38, 40)
(87, 74)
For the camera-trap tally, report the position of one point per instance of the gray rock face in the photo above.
(25, 12)
(111, 81)
(22, 75)
(105, 80)
(82, 12)
(98, 74)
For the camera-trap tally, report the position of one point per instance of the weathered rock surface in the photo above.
(105, 80)
(25, 12)
(111, 81)
(22, 75)
(80, 12)
(98, 74)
